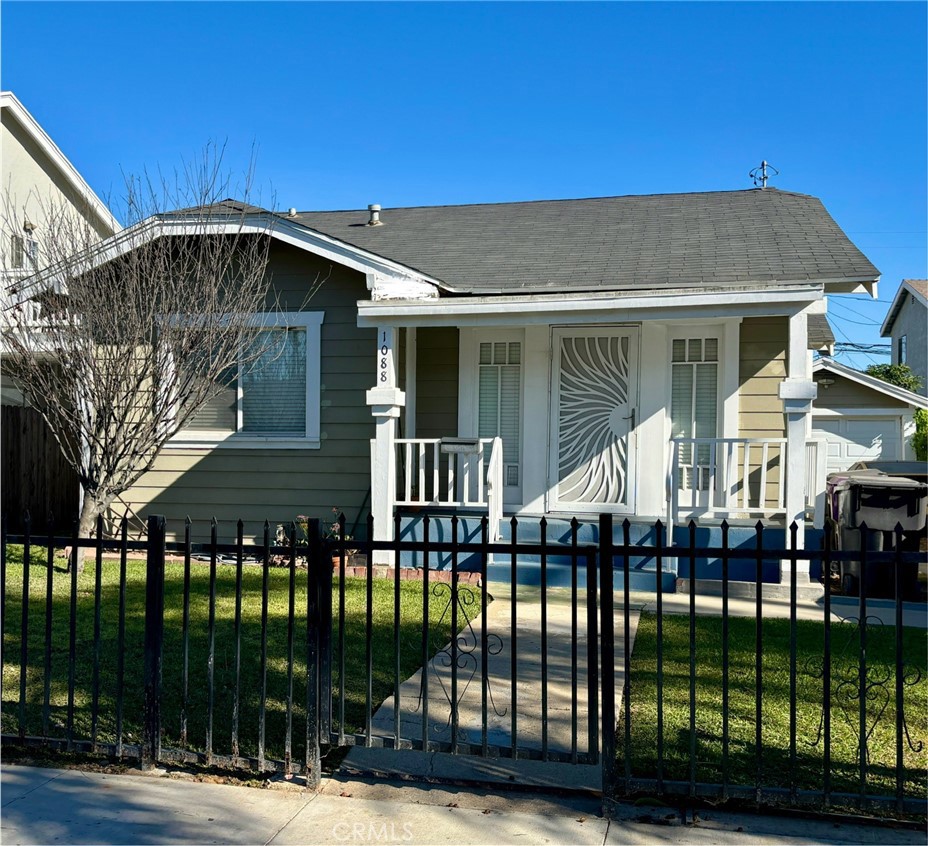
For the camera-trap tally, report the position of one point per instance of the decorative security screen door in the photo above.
(593, 399)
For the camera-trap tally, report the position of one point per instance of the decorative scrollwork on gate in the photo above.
(878, 688)
(466, 642)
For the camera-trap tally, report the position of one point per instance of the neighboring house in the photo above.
(36, 178)
(861, 417)
(644, 355)
(37, 185)
(906, 324)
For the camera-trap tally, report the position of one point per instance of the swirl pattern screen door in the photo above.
(594, 399)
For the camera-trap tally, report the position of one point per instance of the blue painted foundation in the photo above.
(643, 572)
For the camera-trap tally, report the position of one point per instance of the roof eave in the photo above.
(894, 391)
(8, 100)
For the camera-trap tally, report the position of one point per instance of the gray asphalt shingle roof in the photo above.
(820, 334)
(705, 239)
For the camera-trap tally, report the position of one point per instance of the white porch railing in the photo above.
(452, 473)
(728, 477)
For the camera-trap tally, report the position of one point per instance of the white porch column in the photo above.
(797, 392)
(385, 400)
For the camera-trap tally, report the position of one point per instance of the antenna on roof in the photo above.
(759, 174)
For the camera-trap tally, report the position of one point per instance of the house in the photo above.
(861, 418)
(907, 324)
(39, 189)
(37, 181)
(643, 355)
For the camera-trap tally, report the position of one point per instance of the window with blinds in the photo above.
(694, 404)
(273, 395)
(274, 387)
(499, 411)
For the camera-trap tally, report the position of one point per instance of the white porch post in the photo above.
(797, 393)
(385, 400)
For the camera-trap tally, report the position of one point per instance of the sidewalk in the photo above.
(72, 806)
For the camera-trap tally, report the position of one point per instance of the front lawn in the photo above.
(224, 664)
(776, 698)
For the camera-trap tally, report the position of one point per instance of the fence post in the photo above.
(154, 640)
(314, 563)
(607, 661)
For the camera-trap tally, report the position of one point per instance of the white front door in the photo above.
(594, 394)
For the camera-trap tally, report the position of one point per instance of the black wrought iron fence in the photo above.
(266, 655)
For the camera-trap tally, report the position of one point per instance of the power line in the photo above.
(849, 341)
(867, 321)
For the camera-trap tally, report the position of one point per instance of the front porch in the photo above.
(700, 412)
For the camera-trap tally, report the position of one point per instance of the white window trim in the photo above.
(468, 388)
(728, 334)
(311, 321)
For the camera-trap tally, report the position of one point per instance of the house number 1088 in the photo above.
(384, 352)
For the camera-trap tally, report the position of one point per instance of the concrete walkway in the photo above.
(528, 688)
(42, 806)
(528, 705)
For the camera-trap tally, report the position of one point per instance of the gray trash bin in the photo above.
(882, 502)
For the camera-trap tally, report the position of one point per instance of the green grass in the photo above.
(383, 651)
(775, 724)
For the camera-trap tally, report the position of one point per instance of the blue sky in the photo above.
(434, 103)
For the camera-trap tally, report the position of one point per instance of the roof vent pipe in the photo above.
(291, 212)
(375, 220)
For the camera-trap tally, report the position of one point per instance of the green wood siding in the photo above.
(437, 356)
(259, 484)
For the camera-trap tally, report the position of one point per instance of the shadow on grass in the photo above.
(53, 723)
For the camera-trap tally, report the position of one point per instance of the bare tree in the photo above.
(118, 344)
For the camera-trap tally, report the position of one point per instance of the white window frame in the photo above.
(728, 333)
(468, 392)
(311, 321)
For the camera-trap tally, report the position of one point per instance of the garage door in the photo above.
(853, 439)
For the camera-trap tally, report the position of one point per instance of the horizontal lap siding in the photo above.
(437, 357)
(762, 367)
(846, 394)
(276, 485)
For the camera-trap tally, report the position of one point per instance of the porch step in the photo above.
(558, 534)
(807, 592)
(528, 573)
(708, 570)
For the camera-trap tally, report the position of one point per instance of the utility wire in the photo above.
(867, 355)
(867, 321)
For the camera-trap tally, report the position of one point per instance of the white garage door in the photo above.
(853, 439)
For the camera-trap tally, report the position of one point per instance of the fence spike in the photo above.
(794, 526)
(513, 522)
(543, 523)
(759, 526)
(724, 525)
(574, 523)
(692, 526)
